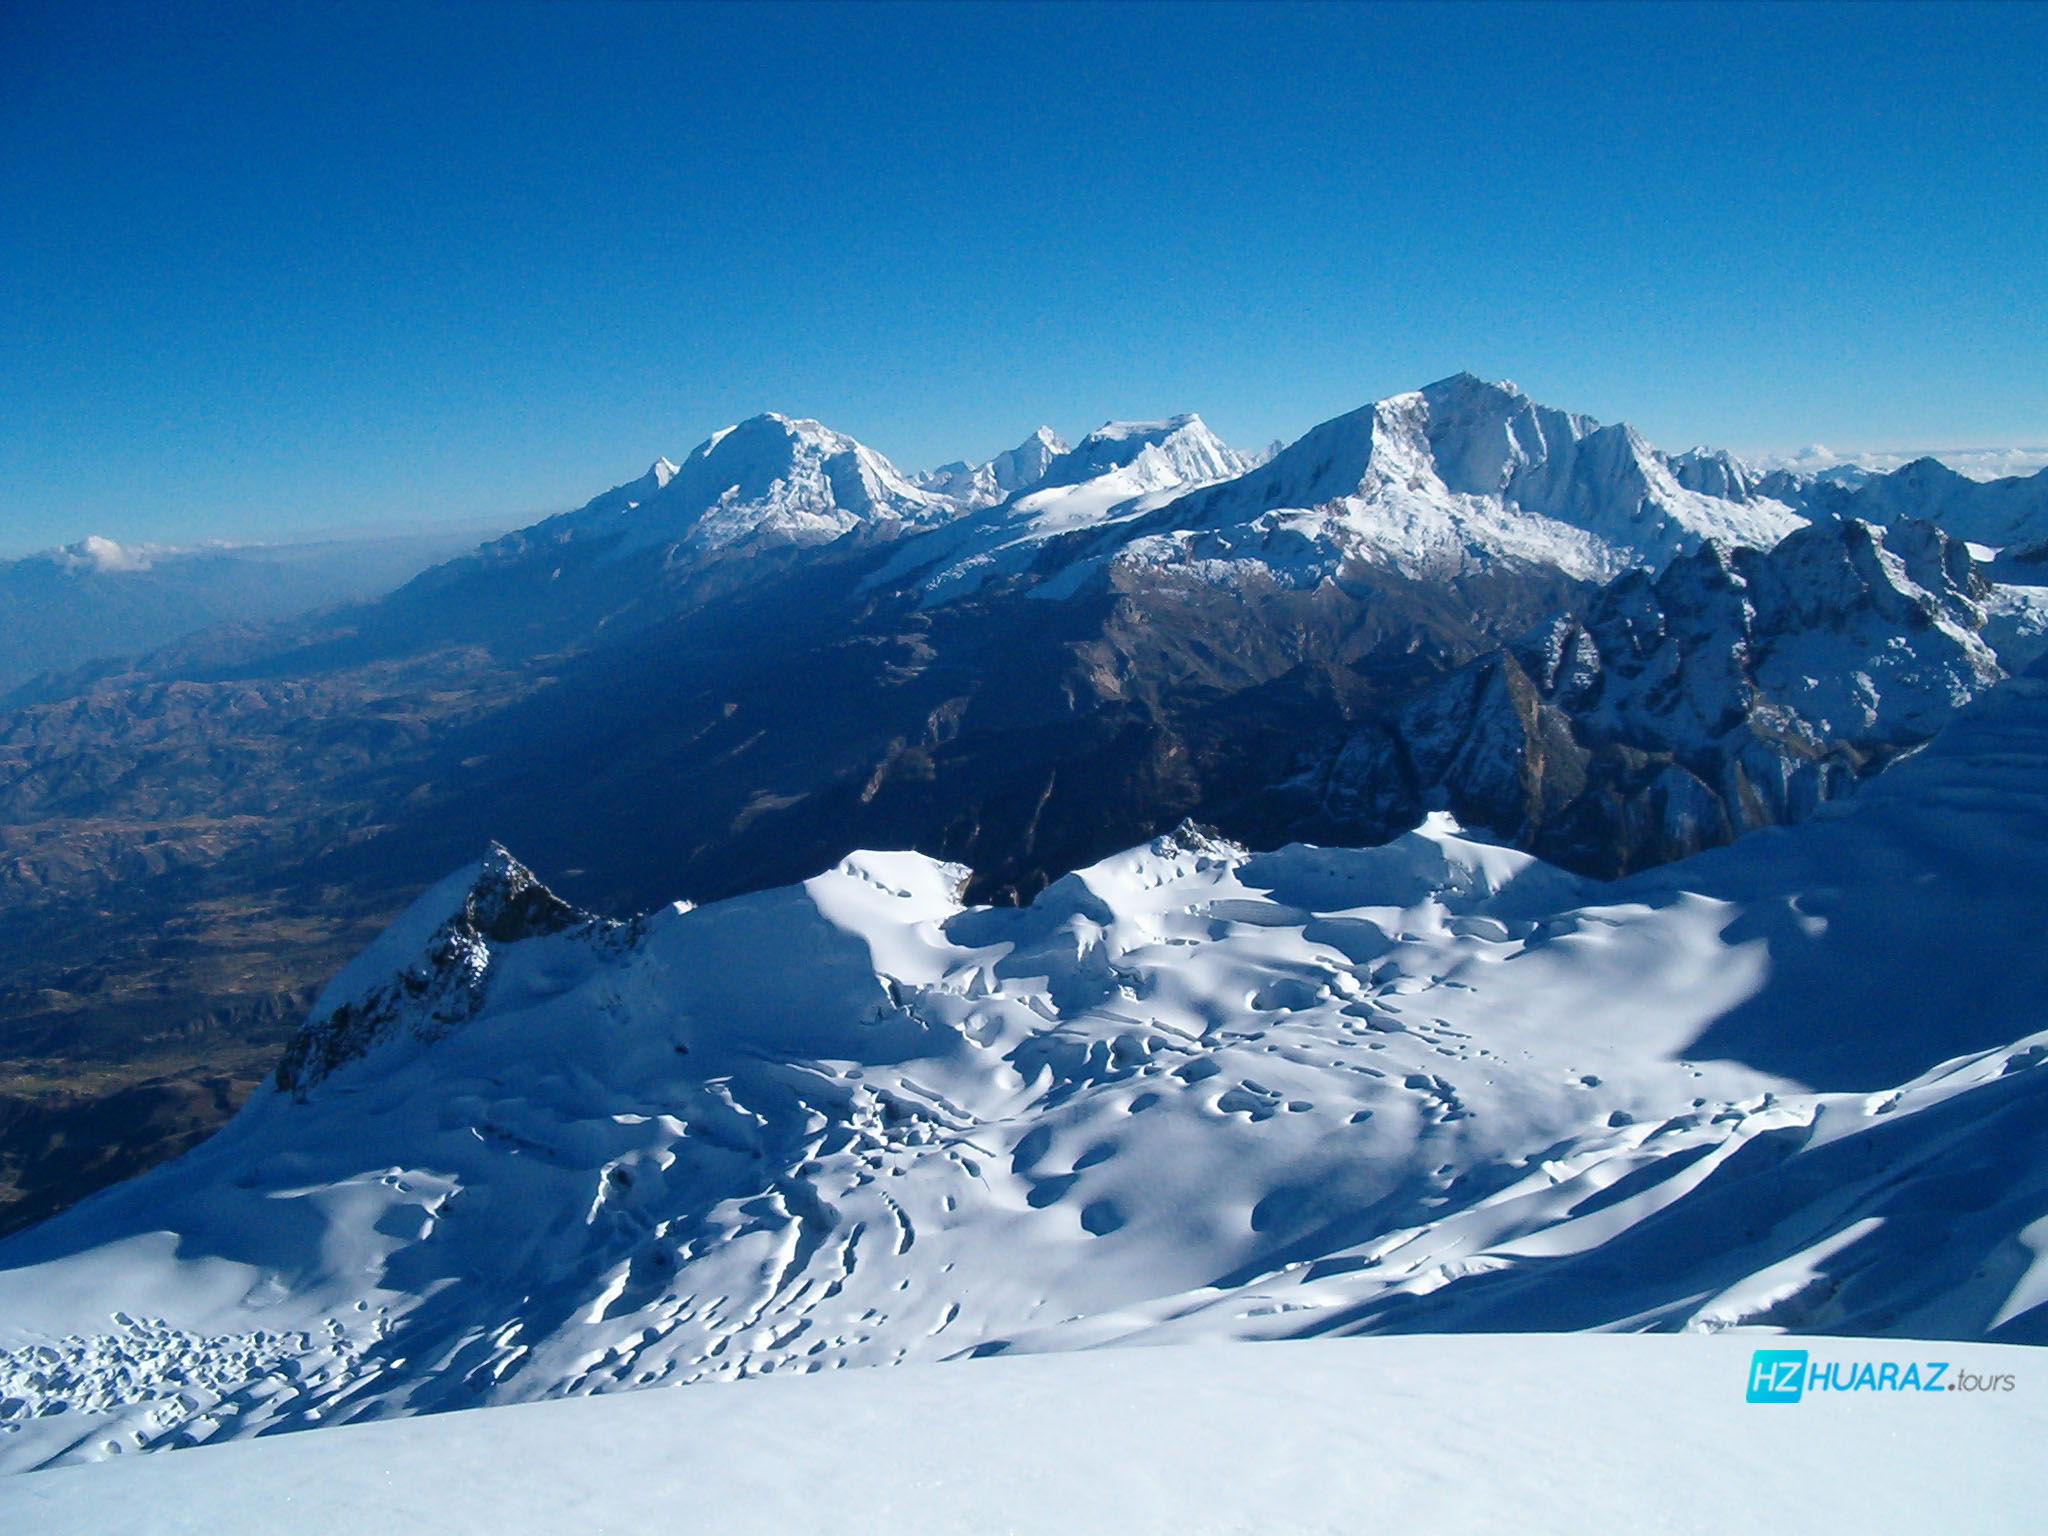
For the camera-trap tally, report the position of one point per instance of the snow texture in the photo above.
(1527, 1433)
(1191, 1093)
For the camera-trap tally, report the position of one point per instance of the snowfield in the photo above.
(1527, 1433)
(1191, 1093)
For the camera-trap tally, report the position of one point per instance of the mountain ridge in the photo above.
(192, 843)
(1191, 1092)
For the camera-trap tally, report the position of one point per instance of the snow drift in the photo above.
(1191, 1092)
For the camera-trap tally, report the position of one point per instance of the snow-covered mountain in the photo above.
(1117, 472)
(620, 499)
(1998, 513)
(1459, 476)
(1148, 456)
(1715, 472)
(725, 674)
(2005, 512)
(770, 481)
(1739, 688)
(972, 486)
(1190, 1092)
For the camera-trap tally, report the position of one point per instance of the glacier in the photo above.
(1191, 1093)
(1534, 1433)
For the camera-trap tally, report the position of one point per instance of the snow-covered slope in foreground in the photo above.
(1189, 1093)
(1530, 1434)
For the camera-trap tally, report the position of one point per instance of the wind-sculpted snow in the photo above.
(1190, 1091)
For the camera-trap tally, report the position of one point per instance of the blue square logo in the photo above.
(1777, 1375)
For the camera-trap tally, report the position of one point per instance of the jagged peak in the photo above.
(1466, 382)
(1009, 473)
(1176, 450)
(1021, 466)
(429, 971)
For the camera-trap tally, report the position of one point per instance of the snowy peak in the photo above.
(972, 486)
(768, 481)
(1025, 465)
(1492, 440)
(1450, 479)
(1154, 455)
(1999, 513)
(781, 480)
(1715, 472)
(1120, 470)
(432, 968)
(604, 510)
(1486, 437)
(1326, 464)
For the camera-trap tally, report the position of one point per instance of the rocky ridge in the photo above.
(1738, 688)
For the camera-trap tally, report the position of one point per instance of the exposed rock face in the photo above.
(732, 670)
(428, 994)
(1460, 476)
(1738, 689)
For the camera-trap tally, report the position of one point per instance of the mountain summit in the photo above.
(1152, 455)
(771, 480)
(971, 486)
(1455, 477)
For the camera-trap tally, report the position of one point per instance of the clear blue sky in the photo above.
(289, 267)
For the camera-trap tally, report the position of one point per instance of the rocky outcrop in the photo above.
(443, 981)
(1738, 689)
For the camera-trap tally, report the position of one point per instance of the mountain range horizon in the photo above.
(770, 760)
(1813, 460)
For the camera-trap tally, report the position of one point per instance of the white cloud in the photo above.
(94, 553)
(1977, 463)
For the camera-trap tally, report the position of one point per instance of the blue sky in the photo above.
(272, 269)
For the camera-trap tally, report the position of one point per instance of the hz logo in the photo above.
(1777, 1375)
(1783, 1376)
